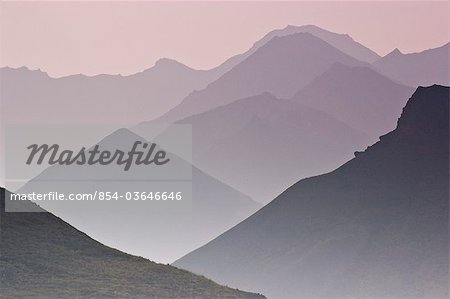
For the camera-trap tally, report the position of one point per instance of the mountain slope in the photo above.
(162, 231)
(281, 66)
(417, 69)
(357, 96)
(377, 227)
(42, 256)
(27, 94)
(261, 145)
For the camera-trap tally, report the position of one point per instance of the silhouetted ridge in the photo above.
(426, 115)
(423, 127)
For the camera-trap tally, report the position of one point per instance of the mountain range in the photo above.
(281, 66)
(148, 94)
(266, 124)
(27, 94)
(339, 112)
(153, 92)
(377, 227)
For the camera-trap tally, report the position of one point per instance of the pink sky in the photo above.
(65, 38)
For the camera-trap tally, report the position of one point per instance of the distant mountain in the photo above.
(377, 227)
(261, 145)
(43, 256)
(148, 94)
(162, 231)
(417, 69)
(357, 96)
(36, 97)
(281, 66)
(343, 42)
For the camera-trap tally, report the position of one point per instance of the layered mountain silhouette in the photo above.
(162, 231)
(377, 227)
(36, 97)
(148, 94)
(281, 66)
(357, 96)
(300, 102)
(261, 145)
(43, 256)
(414, 69)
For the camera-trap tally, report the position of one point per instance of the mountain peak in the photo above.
(426, 113)
(341, 41)
(169, 63)
(296, 40)
(121, 138)
(166, 61)
(395, 52)
(316, 29)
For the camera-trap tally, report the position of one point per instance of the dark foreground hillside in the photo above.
(377, 227)
(42, 256)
